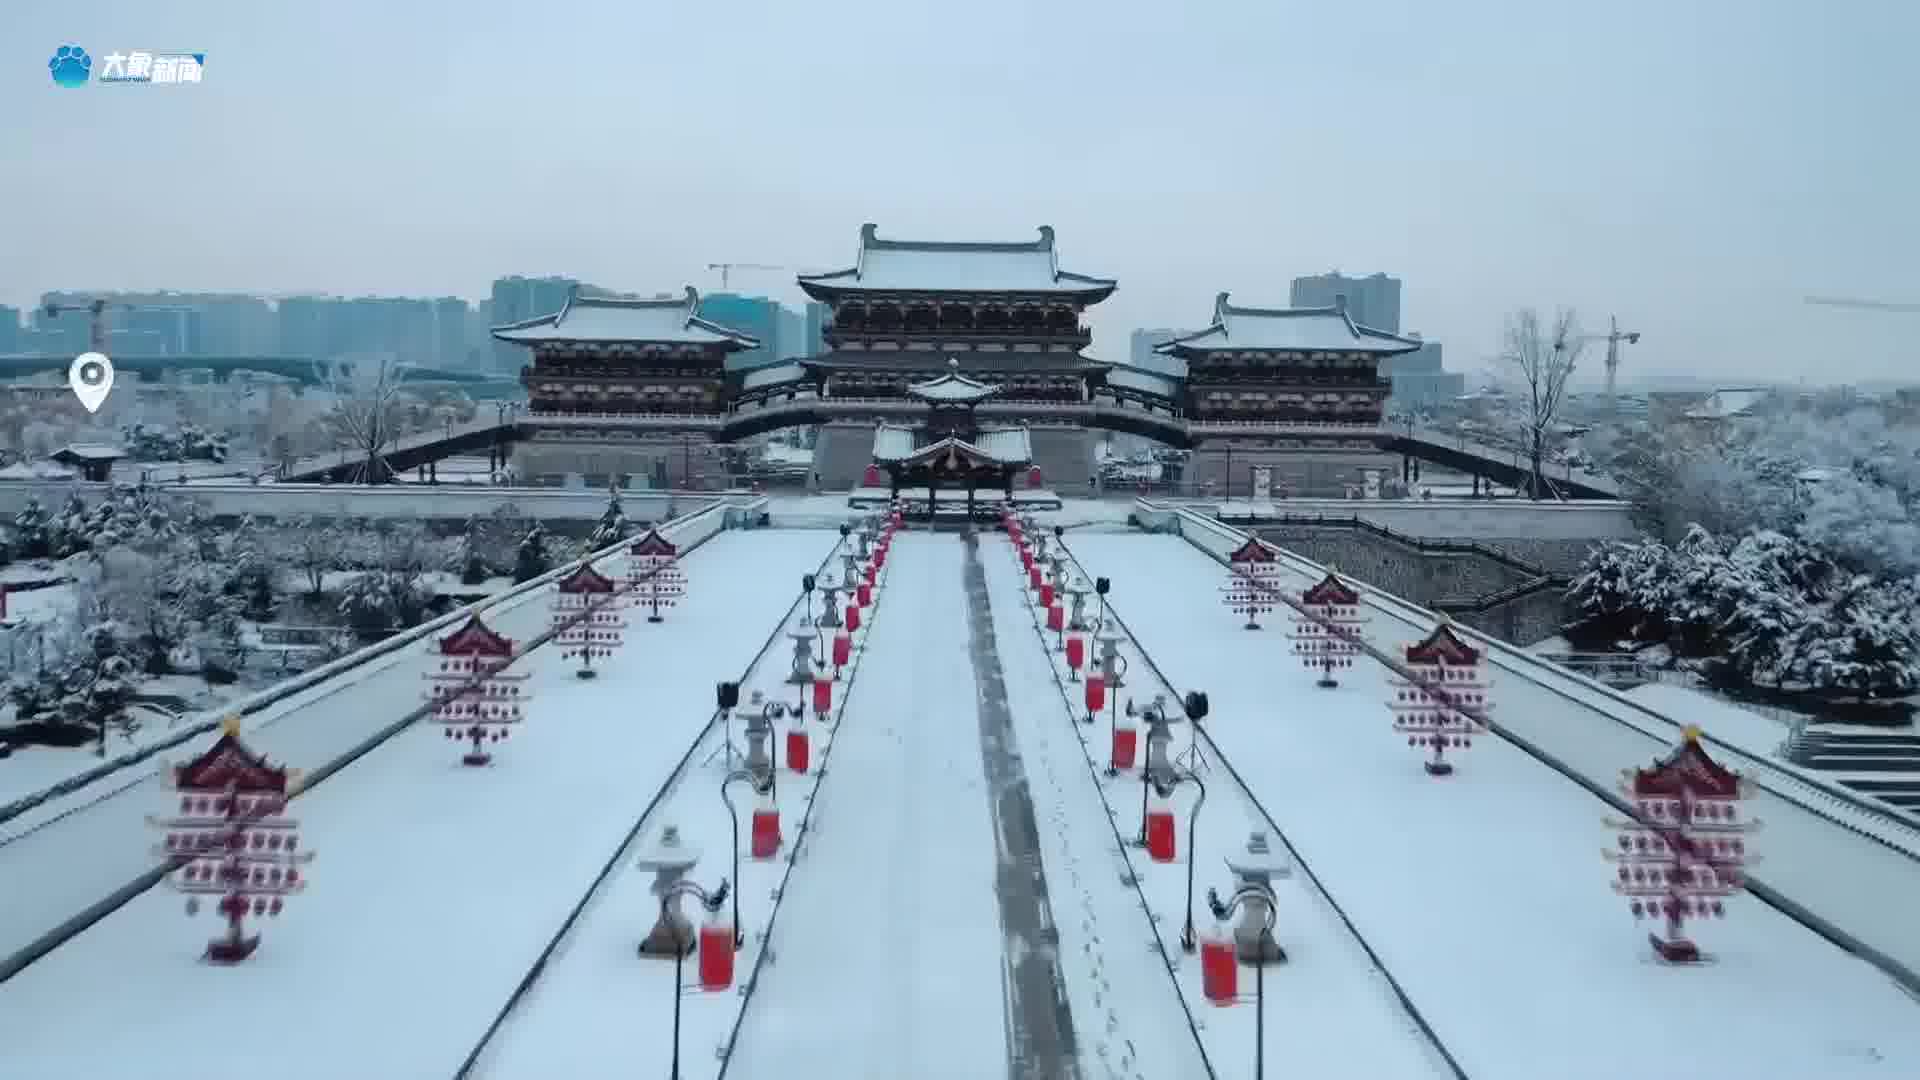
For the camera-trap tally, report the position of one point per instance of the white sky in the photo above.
(1696, 166)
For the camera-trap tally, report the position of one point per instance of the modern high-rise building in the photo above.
(517, 299)
(10, 330)
(815, 340)
(755, 316)
(450, 332)
(1372, 301)
(1141, 345)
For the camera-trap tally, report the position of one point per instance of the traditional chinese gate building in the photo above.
(951, 451)
(621, 359)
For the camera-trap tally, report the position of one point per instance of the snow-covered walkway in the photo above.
(1486, 893)
(434, 886)
(889, 959)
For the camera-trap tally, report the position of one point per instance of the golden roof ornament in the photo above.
(230, 725)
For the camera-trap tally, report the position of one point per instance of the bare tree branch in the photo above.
(1543, 358)
(366, 412)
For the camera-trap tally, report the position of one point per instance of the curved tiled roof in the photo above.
(967, 267)
(1291, 329)
(603, 319)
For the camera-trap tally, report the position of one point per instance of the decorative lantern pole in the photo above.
(586, 617)
(473, 694)
(1327, 634)
(232, 838)
(668, 860)
(1246, 896)
(712, 901)
(1252, 573)
(760, 790)
(653, 568)
(1683, 855)
(1448, 674)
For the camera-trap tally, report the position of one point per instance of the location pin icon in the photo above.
(91, 377)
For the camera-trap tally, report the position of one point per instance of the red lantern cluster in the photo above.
(474, 695)
(1684, 854)
(233, 839)
(1444, 703)
(655, 579)
(1253, 575)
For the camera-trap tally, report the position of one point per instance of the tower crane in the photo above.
(1869, 305)
(1613, 337)
(97, 327)
(727, 268)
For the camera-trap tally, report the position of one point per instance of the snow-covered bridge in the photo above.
(960, 894)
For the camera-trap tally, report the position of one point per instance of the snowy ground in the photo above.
(889, 959)
(598, 1009)
(1126, 1006)
(1753, 732)
(1485, 894)
(435, 885)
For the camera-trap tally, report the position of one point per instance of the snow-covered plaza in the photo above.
(951, 855)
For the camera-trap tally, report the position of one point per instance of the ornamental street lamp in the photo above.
(1247, 896)
(759, 788)
(711, 901)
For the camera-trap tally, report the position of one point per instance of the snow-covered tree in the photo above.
(1862, 643)
(312, 549)
(30, 529)
(84, 691)
(368, 411)
(1541, 358)
(379, 601)
(468, 559)
(531, 560)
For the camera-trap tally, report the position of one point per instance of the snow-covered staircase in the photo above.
(1883, 764)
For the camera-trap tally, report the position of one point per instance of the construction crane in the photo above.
(727, 268)
(97, 328)
(1867, 305)
(1613, 337)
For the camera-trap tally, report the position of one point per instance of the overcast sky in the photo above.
(1695, 166)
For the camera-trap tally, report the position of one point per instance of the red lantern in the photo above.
(872, 476)
(1033, 574)
(1046, 595)
(842, 647)
(853, 617)
(1033, 477)
(865, 593)
(1219, 967)
(1096, 693)
(1160, 840)
(1076, 651)
(1056, 618)
(822, 696)
(799, 747)
(716, 951)
(766, 828)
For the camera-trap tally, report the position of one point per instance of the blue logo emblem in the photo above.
(70, 65)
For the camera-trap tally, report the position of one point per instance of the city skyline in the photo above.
(1695, 170)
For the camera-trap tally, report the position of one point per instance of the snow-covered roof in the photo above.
(944, 266)
(1128, 377)
(36, 470)
(88, 452)
(1728, 403)
(1006, 446)
(953, 387)
(660, 321)
(1327, 329)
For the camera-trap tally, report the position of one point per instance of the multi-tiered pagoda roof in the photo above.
(968, 268)
(604, 320)
(1251, 329)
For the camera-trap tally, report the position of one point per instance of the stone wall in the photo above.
(1296, 471)
(1065, 457)
(640, 460)
(1477, 583)
(842, 454)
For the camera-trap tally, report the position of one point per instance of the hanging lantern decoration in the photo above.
(1683, 856)
(654, 574)
(229, 836)
(1253, 572)
(1442, 707)
(1329, 628)
(587, 618)
(474, 697)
